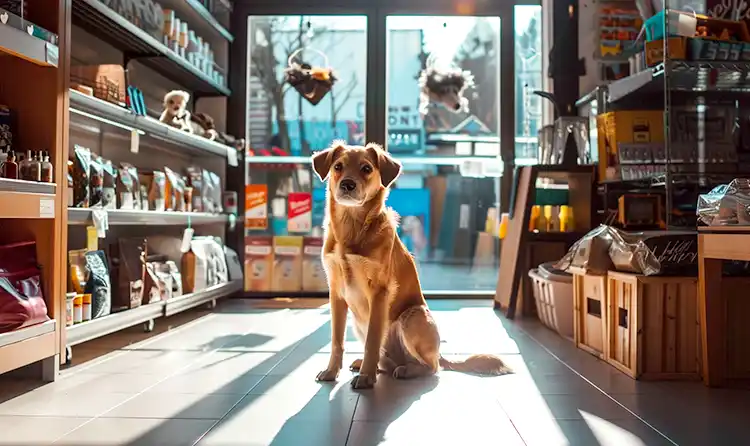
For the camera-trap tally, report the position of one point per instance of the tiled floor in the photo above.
(245, 376)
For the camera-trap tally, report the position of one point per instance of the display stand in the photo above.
(520, 246)
(32, 85)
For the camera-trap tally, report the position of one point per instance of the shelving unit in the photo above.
(116, 133)
(103, 22)
(32, 85)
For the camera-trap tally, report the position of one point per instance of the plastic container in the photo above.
(553, 293)
(69, 308)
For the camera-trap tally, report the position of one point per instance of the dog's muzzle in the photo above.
(347, 185)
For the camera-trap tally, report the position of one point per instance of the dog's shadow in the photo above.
(353, 417)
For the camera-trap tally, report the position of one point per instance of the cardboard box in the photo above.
(258, 263)
(256, 207)
(299, 212)
(287, 265)
(313, 274)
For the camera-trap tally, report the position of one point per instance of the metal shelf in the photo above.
(209, 18)
(20, 44)
(103, 111)
(123, 217)
(96, 328)
(692, 76)
(27, 333)
(106, 24)
(188, 301)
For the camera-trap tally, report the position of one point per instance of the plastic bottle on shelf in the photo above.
(35, 167)
(10, 167)
(78, 309)
(503, 228)
(47, 169)
(86, 308)
(24, 165)
(534, 218)
(567, 223)
(554, 219)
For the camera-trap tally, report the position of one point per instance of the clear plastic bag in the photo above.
(728, 204)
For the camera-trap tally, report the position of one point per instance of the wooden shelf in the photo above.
(206, 16)
(27, 345)
(20, 44)
(26, 205)
(104, 23)
(108, 113)
(96, 328)
(122, 217)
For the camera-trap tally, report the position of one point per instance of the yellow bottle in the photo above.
(548, 218)
(567, 222)
(534, 218)
(503, 228)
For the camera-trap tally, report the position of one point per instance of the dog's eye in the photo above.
(337, 167)
(367, 168)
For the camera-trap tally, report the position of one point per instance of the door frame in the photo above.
(376, 103)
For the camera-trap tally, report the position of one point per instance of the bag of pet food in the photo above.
(109, 185)
(175, 190)
(157, 191)
(195, 180)
(97, 284)
(80, 172)
(128, 185)
(216, 193)
(96, 182)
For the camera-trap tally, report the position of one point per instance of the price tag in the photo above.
(135, 141)
(101, 222)
(232, 157)
(187, 237)
(46, 208)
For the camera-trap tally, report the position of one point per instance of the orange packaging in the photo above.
(256, 206)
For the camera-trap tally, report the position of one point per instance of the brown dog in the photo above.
(371, 273)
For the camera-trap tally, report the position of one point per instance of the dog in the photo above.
(371, 273)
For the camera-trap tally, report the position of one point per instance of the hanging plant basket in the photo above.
(313, 83)
(444, 85)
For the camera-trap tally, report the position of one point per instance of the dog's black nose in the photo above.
(347, 185)
(457, 106)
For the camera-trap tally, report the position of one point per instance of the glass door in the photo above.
(449, 194)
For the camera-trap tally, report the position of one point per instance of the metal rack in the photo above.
(674, 81)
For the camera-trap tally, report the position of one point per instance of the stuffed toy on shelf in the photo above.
(444, 84)
(175, 110)
(206, 125)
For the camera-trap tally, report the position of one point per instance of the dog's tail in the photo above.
(483, 365)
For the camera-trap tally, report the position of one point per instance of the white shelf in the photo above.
(27, 333)
(107, 113)
(29, 187)
(187, 301)
(96, 328)
(121, 217)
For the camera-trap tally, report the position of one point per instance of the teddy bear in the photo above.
(175, 110)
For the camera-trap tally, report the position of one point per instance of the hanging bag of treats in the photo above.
(312, 82)
(444, 84)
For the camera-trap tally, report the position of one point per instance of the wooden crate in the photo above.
(653, 326)
(589, 312)
(737, 310)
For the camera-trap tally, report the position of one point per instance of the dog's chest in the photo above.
(353, 274)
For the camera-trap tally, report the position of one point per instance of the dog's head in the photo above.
(355, 174)
(176, 100)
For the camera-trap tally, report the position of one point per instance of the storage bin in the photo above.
(589, 312)
(653, 326)
(553, 294)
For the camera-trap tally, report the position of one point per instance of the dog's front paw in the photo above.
(327, 375)
(364, 381)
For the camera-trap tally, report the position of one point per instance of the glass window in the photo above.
(443, 202)
(528, 67)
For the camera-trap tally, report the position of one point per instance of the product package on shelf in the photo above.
(299, 214)
(727, 204)
(164, 253)
(259, 261)
(204, 265)
(128, 188)
(21, 297)
(287, 268)
(313, 274)
(128, 273)
(78, 169)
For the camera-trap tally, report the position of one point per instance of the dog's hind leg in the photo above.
(421, 341)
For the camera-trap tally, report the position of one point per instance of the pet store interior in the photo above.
(574, 191)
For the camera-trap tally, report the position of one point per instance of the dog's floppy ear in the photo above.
(389, 168)
(323, 160)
